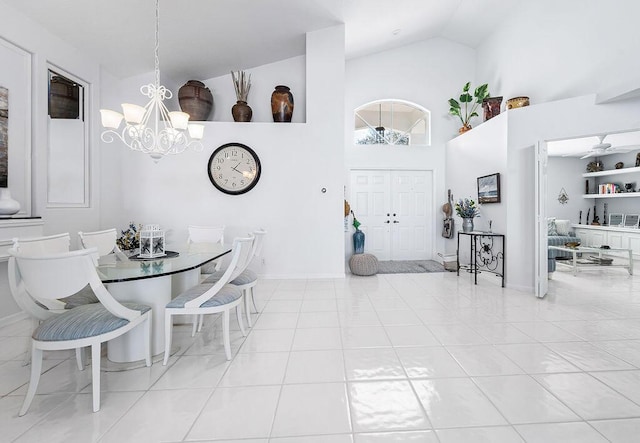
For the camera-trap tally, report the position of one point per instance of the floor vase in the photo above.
(358, 242)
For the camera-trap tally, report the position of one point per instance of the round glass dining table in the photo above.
(152, 282)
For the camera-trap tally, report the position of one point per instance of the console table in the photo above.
(486, 251)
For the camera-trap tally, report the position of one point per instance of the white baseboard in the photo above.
(301, 276)
(13, 318)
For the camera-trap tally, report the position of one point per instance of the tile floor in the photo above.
(390, 358)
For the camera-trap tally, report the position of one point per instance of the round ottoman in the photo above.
(363, 264)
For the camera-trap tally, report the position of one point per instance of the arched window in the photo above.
(392, 122)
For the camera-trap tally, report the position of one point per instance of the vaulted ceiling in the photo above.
(207, 38)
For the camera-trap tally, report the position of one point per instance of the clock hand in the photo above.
(235, 168)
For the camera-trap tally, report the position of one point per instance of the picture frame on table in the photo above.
(489, 188)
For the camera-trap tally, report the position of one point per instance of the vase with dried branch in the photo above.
(241, 111)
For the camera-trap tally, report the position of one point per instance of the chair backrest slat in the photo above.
(50, 244)
(104, 241)
(241, 254)
(206, 234)
(56, 276)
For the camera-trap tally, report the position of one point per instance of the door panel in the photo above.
(369, 191)
(396, 210)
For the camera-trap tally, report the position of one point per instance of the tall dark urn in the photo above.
(196, 100)
(282, 104)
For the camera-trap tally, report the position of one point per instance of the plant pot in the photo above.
(241, 112)
(467, 224)
(464, 129)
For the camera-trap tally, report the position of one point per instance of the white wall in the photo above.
(46, 48)
(481, 151)
(289, 72)
(426, 73)
(298, 160)
(566, 173)
(550, 50)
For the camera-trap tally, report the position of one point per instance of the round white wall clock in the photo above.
(234, 168)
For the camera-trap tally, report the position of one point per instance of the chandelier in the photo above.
(152, 129)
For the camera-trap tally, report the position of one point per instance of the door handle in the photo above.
(387, 221)
(389, 214)
(394, 214)
(396, 221)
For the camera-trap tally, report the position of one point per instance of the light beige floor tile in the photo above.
(242, 412)
(562, 432)
(315, 367)
(456, 402)
(311, 409)
(385, 405)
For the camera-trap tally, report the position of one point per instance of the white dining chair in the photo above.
(44, 309)
(247, 279)
(219, 297)
(200, 237)
(56, 276)
(104, 241)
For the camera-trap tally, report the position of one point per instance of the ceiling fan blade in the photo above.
(591, 154)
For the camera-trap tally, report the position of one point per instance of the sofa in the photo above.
(558, 233)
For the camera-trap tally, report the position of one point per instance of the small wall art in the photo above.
(489, 188)
(563, 198)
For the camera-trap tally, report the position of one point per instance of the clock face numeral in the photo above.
(234, 168)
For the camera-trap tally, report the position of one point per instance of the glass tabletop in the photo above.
(113, 269)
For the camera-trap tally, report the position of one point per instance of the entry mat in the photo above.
(409, 266)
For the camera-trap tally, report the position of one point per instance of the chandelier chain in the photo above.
(157, 46)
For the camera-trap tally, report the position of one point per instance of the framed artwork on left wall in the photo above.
(489, 188)
(16, 101)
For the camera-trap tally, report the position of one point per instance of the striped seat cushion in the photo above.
(247, 276)
(226, 295)
(82, 322)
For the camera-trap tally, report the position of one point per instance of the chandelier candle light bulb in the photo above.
(152, 129)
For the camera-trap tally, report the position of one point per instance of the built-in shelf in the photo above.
(618, 195)
(612, 172)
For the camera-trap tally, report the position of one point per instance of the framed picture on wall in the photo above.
(489, 188)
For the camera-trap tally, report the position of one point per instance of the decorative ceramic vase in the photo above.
(491, 106)
(196, 100)
(467, 224)
(241, 112)
(464, 129)
(517, 102)
(282, 104)
(8, 206)
(358, 242)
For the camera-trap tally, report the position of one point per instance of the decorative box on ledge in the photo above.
(151, 242)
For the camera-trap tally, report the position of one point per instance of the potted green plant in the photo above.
(468, 104)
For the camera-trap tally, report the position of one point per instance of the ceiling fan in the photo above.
(602, 148)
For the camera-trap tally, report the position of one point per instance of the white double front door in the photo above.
(396, 211)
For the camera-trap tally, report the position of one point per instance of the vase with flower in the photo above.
(241, 111)
(358, 236)
(467, 210)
